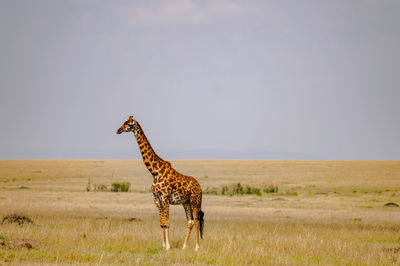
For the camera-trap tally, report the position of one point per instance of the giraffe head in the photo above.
(130, 125)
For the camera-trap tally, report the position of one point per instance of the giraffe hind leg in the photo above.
(195, 200)
(190, 222)
(197, 224)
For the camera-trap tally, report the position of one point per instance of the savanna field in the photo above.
(281, 213)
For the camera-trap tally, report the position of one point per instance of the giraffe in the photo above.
(169, 187)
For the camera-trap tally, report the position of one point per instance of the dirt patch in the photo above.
(132, 219)
(16, 219)
(282, 199)
(325, 192)
(18, 244)
(102, 218)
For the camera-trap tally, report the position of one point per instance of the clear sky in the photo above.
(205, 79)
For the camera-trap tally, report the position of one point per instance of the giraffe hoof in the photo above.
(167, 247)
(184, 247)
(196, 248)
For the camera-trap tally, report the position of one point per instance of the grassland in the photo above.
(325, 212)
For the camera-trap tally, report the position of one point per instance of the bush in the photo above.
(224, 190)
(88, 186)
(17, 219)
(2, 240)
(100, 187)
(270, 189)
(237, 189)
(391, 204)
(120, 187)
(253, 190)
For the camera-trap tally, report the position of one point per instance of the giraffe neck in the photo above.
(152, 161)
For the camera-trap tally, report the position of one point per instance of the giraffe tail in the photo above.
(201, 215)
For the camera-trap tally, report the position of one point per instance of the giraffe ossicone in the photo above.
(169, 187)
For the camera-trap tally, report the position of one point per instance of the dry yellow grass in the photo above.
(325, 212)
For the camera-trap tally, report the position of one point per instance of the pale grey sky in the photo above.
(206, 79)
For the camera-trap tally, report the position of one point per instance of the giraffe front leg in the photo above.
(167, 245)
(157, 202)
(163, 237)
(164, 221)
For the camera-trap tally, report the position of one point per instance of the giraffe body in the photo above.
(169, 187)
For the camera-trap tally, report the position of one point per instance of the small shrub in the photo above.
(100, 187)
(120, 187)
(237, 189)
(248, 190)
(270, 189)
(391, 204)
(253, 190)
(17, 219)
(257, 191)
(2, 240)
(88, 186)
(224, 190)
